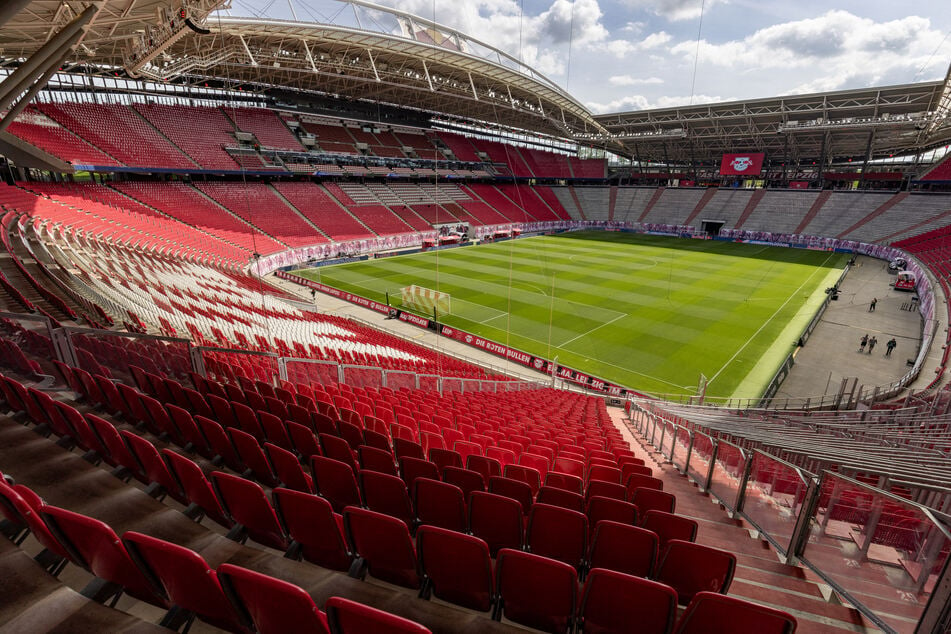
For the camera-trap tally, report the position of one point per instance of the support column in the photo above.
(47, 56)
(10, 8)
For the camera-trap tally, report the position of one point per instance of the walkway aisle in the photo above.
(760, 576)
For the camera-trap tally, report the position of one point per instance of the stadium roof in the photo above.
(389, 57)
(873, 122)
(382, 55)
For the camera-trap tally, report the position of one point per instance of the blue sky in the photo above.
(615, 55)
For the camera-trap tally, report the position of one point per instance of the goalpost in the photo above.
(425, 300)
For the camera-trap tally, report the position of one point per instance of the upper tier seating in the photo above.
(500, 202)
(190, 206)
(674, 206)
(36, 128)
(631, 202)
(261, 205)
(781, 211)
(526, 198)
(842, 210)
(201, 132)
(460, 147)
(319, 207)
(130, 223)
(120, 131)
(331, 138)
(380, 219)
(941, 172)
(266, 126)
(588, 168)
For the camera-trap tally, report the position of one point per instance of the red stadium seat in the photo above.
(691, 568)
(316, 531)
(668, 526)
(185, 579)
(558, 533)
(439, 504)
(245, 503)
(383, 547)
(336, 482)
(350, 617)
(652, 499)
(93, 545)
(466, 480)
(387, 494)
(624, 548)
(497, 520)
(536, 591)
(560, 497)
(515, 489)
(374, 459)
(713, 613)
(288, 469)
(613, 602)
(456, 566)
(273, 606)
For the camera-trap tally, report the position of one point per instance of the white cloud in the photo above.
(623, 48)
(838, 49)
(640, 102)
(673, 10)
(629, 80)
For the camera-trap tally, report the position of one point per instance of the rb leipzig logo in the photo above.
(741, 163)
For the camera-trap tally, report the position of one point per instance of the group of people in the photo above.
(871, 342)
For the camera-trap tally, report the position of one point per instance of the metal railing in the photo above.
(844, 530)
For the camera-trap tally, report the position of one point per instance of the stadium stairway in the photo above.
(708, 195)
(816, 206)
(251, 226)
(650, 203)
(891, 202)
(760, 575)
(574, 197)
(750, 207)
(612, 201)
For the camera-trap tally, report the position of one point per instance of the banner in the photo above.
(742, 164)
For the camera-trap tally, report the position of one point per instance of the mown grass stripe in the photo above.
(648, 312)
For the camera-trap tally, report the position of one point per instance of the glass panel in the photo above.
(680, 445)
(865, 540)
(774, 495)
(451, 384)
(310, 373)
(112, 353)
(399, 380)
(226, 366)
(428, 383)
(670, 437)
(472, 385)
(26, 346)
(700, 455)
(361, 376)
(727, 473)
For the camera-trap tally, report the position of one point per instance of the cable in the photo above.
(696, 57)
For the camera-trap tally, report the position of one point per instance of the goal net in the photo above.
(424, 299)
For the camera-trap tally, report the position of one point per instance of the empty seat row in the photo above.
(179, 580)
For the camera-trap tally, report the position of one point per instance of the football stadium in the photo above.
(336, 317)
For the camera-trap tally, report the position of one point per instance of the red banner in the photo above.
(742, 164)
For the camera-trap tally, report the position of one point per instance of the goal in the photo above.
(424, 300)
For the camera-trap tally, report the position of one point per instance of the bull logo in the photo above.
(741, 163)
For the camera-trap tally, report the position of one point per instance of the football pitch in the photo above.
(647, 312)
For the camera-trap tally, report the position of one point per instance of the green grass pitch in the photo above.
(647, 312)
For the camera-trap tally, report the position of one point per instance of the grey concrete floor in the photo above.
(832, 352)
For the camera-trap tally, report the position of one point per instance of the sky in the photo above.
(619, 55)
